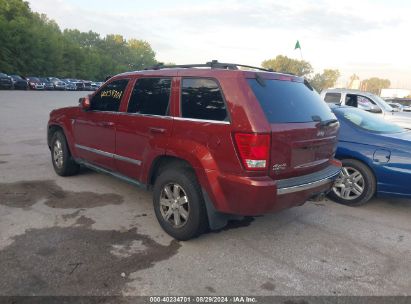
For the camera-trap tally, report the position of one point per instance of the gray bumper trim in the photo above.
(309, 185)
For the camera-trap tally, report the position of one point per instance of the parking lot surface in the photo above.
(92, 234)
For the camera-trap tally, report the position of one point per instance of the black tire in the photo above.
(68, 166)
(197, 221)
(369, 184)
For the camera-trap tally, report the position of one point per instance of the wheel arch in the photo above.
(364, 162)
(162, 162)
(53, 128)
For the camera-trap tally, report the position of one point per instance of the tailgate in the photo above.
(301, 148)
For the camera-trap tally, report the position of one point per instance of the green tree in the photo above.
(284, 64)
(32, 44)
(140, 54)
(325, 80)
(375, 84)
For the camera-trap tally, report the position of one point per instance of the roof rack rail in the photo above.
(214, 64)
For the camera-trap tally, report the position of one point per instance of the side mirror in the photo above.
(365, 107)
(375, 109)
(85, 103)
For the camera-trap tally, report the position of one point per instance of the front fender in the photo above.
(63, 119)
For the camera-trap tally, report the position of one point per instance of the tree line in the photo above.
(327, 79)
(32, 44)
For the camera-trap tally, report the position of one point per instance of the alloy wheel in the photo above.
(174, 205)
(58, 154)
(350, 184)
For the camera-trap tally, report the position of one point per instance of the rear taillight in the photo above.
(253, 149)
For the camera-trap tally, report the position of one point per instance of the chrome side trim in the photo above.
(110, 155)
(203, 120)
(127, 159)
(100, 152)
(308, 186)
(146, 115)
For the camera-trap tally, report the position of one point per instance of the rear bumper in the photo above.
(258, 195)
(307, 182)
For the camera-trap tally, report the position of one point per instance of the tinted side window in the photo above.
(150, 96)
(109, 97)
(201, 98)
(334, 98)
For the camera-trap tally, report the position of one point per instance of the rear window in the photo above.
(289, 101)
(370, 122)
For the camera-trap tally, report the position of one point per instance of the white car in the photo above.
(368, 102)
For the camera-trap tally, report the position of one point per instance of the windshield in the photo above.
(383, 104)
(368, 121)
(289, 101)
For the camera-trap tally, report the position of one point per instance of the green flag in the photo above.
(297, 45)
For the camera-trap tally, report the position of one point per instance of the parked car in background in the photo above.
(87, 85)
(214, 144)
(69, 85)
(59, 85)
(368, 102)
(397, 106)
(35, 83)
(376, 157)
(405, 102)
(96, 85)
(5, 82)
(78, 83)
(48, 85)
(19, 83)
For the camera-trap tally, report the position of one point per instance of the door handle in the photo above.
(157, 130)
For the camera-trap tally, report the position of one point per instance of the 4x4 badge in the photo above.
(320, 133)
(279, 167)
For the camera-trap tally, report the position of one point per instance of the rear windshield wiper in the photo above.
(308, 85)
(260, 80)
(324, 123)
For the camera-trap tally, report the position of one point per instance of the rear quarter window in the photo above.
(334, 98)
(289, 101)
(201, 98)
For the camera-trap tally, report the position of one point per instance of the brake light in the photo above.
(253, 150)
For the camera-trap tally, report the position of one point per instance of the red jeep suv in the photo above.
(214, 142)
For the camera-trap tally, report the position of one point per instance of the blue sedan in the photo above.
(376, 157)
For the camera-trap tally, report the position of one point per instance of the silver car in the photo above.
(368, 102)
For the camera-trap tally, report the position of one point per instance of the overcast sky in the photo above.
(367, 37)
